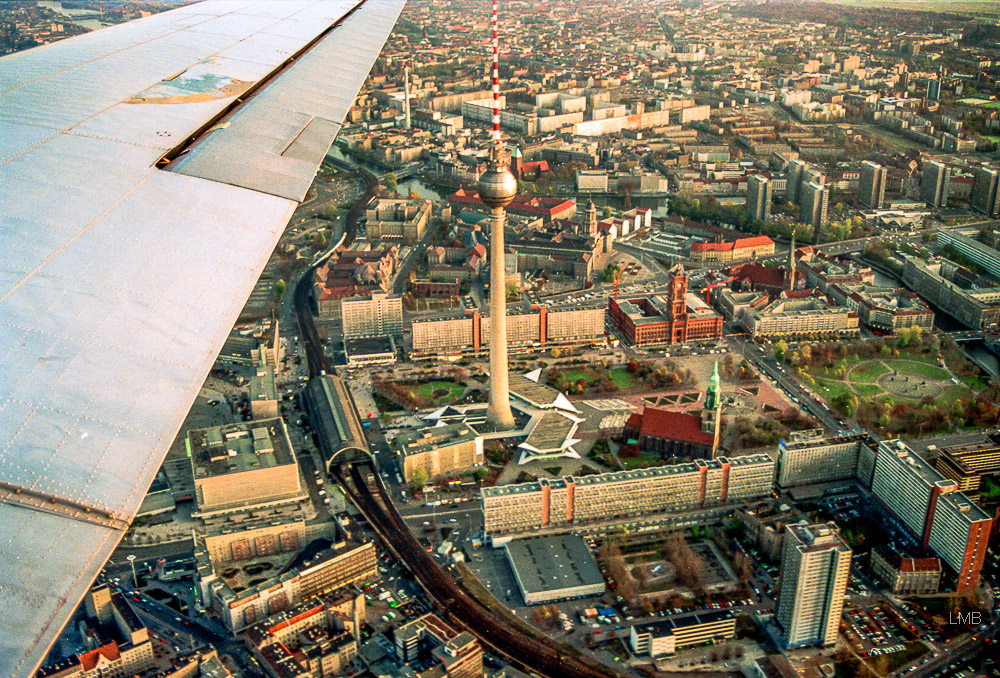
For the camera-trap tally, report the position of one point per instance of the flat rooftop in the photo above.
(665, 627)
(553, 563)
(239, 447)
(434, 437)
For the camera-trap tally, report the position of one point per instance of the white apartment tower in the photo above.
(815, 565)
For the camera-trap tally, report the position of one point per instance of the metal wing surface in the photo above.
(146, 173)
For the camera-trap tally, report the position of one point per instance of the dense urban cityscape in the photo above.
(666, 344)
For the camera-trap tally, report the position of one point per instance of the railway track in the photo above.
(460, 608)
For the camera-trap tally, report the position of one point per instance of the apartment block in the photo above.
(815, 204)
(317, 638)
(439, 450)
(375, 315)
(884, 309)
(871, 188)
(941, 518)
(760, 192)
(815, 566)
(538, 328)
(934, 183)
(342, 564)
(570, 500)
(821, 461)
(986, 182)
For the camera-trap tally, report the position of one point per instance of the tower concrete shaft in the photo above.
(499, 416)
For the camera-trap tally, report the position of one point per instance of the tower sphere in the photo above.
(497, 185)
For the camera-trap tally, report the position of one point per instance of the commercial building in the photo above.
(537, 328)
(940, 518)
(815, 565)
(400, 220)
(370, 351)
(792, 316)
(674, 318)
(117, 643)
(741, 249)
(906, 576)
(884, 309)
(760, 192)
(439, 450)
(815, 204)
(871, 188)
(664, 637)
(976, 308)
(552, 568)
(982, 254)
(934, 183)
(824, 460)
(243, 465)
(986, 181)
(579, 501)
(317, 638)
(375, 315)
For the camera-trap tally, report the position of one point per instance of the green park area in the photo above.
(440, 392)
(904, 385)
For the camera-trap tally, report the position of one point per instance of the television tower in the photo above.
(497, 187)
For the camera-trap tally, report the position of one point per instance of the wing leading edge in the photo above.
(121, 281)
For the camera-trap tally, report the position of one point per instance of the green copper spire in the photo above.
(712, 400)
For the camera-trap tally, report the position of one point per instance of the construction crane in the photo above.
(708, 290)
(617, 276)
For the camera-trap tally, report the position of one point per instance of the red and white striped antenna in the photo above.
(496, 79)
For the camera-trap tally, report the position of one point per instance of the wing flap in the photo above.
(261, 145)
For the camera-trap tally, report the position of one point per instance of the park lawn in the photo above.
(426, 391)
(868, 390)
(573, 376)
(921, 368)
(621, 377)
(953, 393)
(830, 388)
(635, 462)
(868, 372)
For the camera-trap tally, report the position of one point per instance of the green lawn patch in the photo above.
(868, 390)
(921, 368)
(576, 375)
(868, 372)
(621, 377)
(830, 389)
(439, 392)
(636, 462)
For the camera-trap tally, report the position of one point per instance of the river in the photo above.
(56, 6)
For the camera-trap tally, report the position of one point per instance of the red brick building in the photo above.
(674, 318)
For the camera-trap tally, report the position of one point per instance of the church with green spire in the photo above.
(711, 411)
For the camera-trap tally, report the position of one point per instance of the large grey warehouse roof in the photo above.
(553, 563)
(120, 281)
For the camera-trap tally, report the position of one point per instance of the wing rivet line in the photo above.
(67, 508)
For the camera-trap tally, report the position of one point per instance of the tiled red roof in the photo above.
(920, 565)
(759, 274)
(669, 425)
(740, 243)
(88, 660)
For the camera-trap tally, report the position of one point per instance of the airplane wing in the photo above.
(146, 173)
